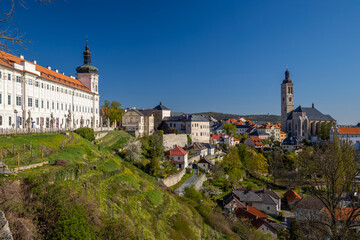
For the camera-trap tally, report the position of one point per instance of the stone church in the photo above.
(302, 122)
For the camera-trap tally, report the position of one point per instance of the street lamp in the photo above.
(16, 112)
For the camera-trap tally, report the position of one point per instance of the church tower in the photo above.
(287, 99)
(88, 74)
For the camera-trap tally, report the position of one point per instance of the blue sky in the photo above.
(225, 56)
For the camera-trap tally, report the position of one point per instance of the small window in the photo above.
(9, 99)
(36, 84)
(29, 102)
(0, 120)
(36, 103)
(9, 76)
(18, 101)
(42, 85)
(30, 81)
(18, 79)
(9, 120)
(0, 98)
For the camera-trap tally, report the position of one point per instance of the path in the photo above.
(187, 183)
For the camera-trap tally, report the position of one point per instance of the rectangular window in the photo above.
(9, 120)
(52, 88)
(65, 91)
(18, 79)
(62, 106)
(30, 81)
(0, 74)
(18, 101)
(47, 86)
(9, 76)
(42, 85)
(65, 106)
(36, 103)
(57, 89)
(57, 106)
(36, 84)
(0, 98)
(29, 102)
(9, 99)
(42, 103)
(47, 105)
(52, 104)
(37, 121)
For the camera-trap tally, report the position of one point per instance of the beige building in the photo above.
(139, 122)
(198, 127)
(273, 131)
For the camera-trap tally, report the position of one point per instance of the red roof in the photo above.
(257, 141)
(249, 212)
(291, 195)
(349, 130)
(236, 140)
(178, 151)
(6, 59)
(216, 136)
(343, 214)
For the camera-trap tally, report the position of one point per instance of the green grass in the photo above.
(114, 140)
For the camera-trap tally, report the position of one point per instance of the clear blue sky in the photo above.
(225, 56)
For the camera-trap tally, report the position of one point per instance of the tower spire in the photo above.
(87, 54)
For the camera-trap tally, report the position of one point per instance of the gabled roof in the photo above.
(349, 130)
(291, 141)
(247, 196)
(142, 112)
(313, 203)
(249, 212)
(312, 114)
(8, 60)
(161, 107)
(257, 141)
(187, 118)
(204, 160)
(178, 151)
(257, 223)
(291, 195)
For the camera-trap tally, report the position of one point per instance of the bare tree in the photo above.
(330, 173)
(10, 35)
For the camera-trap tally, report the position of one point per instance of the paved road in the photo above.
(187, 183)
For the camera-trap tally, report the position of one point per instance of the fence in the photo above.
(13, 131)
(27, 154)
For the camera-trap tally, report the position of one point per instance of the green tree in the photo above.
(230, 129)
(258, 164)
(231, 160)
(333, 172)
(113, 111)
(324, 132)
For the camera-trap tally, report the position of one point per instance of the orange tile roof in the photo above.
(214, 136)
(249, 212)
(291, 195)
(257, 141)
(343, 214)
(7, 59)
(349, 130)
(178, 151)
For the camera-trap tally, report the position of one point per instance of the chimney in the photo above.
(187, 116)
(72, 77)
(313, 105)
(34, 62)
(56, 70)
(48, 67)
(63, 73)
(21, 56)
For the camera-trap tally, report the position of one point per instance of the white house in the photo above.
(351, 134)
(33, 96)
(178, 156)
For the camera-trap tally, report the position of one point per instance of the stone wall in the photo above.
(199, 181)
(5, 233)
(100, 135)
(172, 140)
(174, 179)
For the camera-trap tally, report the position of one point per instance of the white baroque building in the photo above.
(32, 96)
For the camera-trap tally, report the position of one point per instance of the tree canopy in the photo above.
(113, 111)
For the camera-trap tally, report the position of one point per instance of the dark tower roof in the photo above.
(287, 76)
(160, 107)
(87, 67)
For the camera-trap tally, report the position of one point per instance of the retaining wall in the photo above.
(172, 140)
(174, 179)
(199, 181)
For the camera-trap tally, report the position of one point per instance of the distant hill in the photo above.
(262, 118)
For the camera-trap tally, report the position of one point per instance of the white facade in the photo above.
(44, 98)
(181, 161)
(351, 134)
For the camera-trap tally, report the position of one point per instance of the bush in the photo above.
(87, 133)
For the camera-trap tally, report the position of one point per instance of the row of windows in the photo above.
(62, 105)
(40, 120)
(48, 87)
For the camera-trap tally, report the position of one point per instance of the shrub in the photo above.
(87, 133)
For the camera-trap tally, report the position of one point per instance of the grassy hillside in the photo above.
(94, 194)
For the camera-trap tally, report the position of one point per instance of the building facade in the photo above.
(351, 134)
(139, 122)
(198, 127)
(32, 96)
